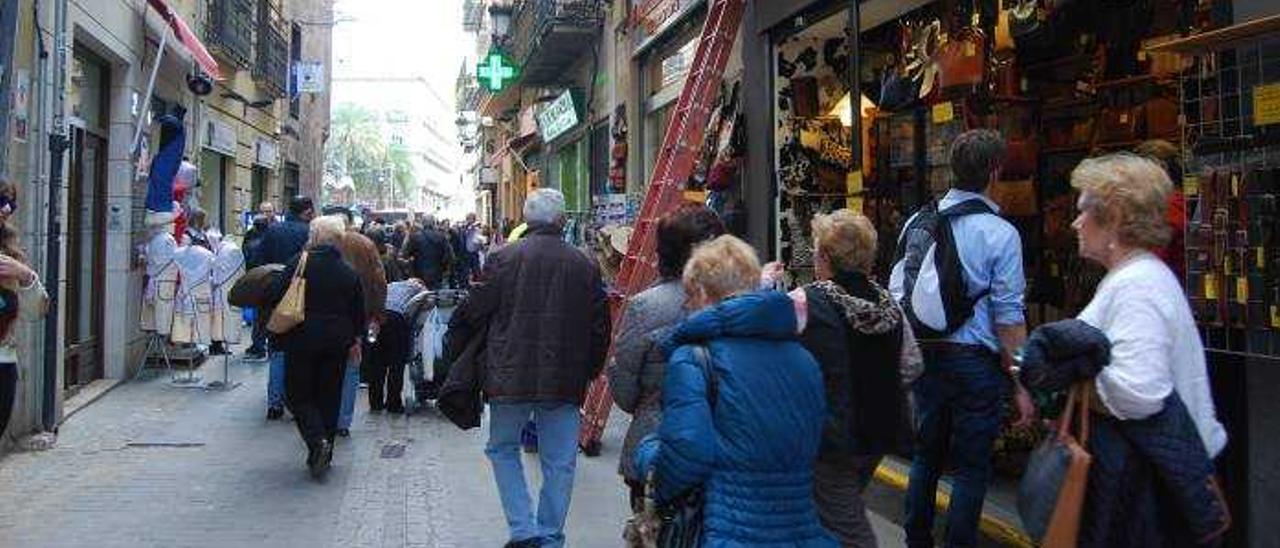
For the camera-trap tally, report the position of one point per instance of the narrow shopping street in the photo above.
(151, 464)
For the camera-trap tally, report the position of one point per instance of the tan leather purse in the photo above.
(292, 308)
(1003, 36)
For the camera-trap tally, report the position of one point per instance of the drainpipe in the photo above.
(58, 144)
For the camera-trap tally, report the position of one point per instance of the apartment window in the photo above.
(295, 56)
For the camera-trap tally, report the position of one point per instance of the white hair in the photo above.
(545, 205)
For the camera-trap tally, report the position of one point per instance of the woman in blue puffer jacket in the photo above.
(753, 448)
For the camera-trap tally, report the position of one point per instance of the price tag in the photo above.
(1053, 270)
(1261, 257)
(1211, 287)
(1227, 266)
(1124, 118)
(970, 49)
(1235, 185)
(853, 182)
(1191, 185)
(943, 113)
(1242, 290)
(1275, 316)
(1142, 55)
(1266, 104)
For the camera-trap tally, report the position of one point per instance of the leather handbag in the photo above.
(1003, 35)
(1015, 198)
(897, 91)
(682, 519)
(250, 289)
(1119, 124)
(1051, 494)
(804, 97)
(1020, 158)
(1005, 79)
(291, 310)
(961, 59)
(1026, 17)
(1161, 117)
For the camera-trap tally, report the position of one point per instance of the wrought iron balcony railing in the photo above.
(271, 60)
(549, 35)
(230, 30)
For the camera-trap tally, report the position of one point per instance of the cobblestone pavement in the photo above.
(154, 465)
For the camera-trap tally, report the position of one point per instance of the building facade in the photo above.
(92, 88)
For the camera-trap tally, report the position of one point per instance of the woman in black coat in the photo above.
(316, 350)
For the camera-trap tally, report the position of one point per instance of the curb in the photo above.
(999, 530)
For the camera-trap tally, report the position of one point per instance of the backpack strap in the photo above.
(967, 207)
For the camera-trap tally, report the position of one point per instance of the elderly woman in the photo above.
(742, 406)
(1156, 351)
(867, 353)
(316, 351)
(23, 297)
(635, 376)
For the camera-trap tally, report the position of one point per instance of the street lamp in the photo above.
(500, 14)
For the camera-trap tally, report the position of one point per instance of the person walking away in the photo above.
(742, 408)
(362, 256)
(390, 352)
(1157, 357)
(281, 244)
(543, 303)
(639, 364)
(429, 253)
(317, 350)
(968, 355)
(22, 296)
(265, 217)
(867, 354)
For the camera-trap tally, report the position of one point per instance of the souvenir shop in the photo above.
(1187, 82)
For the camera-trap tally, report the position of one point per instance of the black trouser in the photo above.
(8, 391)
(389, 356)
(313, 389)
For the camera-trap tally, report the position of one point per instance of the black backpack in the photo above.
(928, 278)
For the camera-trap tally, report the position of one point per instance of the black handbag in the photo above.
(682, 518)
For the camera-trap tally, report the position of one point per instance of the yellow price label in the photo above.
(943, 112)
(854, 204)
(970, 49)
(1235, 185)
(1242, 290)
(1261, 256)
(1191, 185)
(853, 181)
(1227, 266)
(1211, 287)
(1266, 104)
(1275, 316)
(1053, 270)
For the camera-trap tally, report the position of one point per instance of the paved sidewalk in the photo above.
(154, 465)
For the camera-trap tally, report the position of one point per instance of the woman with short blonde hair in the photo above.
(743, 408)
(327, 230)
(1129, 193)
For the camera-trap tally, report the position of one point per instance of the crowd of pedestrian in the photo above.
(759, 417)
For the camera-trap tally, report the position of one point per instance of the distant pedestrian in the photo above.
(743, 408)
(361, 255)
(429, 254)
(960, 397)
(544, 306)
(252, 253)
(22, 296)
(868, 355)
(197, 228)
(280, 245)
(639, 364)
(390, 352)
(317, 350)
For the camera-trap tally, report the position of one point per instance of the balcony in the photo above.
(472, 15)
(271, 60)
(547, 36)
(229, 33)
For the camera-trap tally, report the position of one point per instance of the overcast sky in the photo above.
(386, 40)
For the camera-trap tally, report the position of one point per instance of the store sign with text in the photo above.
(219, 136)
(559, 116)
(651, 16)
(266, 153)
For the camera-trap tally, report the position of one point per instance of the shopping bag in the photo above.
(1051, 495)
(291, 310)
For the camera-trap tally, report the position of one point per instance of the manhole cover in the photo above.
(393, 450)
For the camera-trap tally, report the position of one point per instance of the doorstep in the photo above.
(86, 395)
(999, 519)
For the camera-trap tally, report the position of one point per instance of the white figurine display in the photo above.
(193, 314)
(228, 266)
(162, 280)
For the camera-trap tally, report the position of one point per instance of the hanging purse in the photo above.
(1020, 158)
(291, 310)
(1015, 198)
(804, 97)
(1119, 124)
(1161, 117)
(1051, 494)
(960, 59)
(1025, 18)
(1003, 34)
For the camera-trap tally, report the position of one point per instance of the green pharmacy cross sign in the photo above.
(495, 71)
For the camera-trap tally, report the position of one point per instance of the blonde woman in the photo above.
(316, 351)
(742, 408)
(23, 297)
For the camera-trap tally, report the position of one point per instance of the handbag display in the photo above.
(1015, 198)
(961, 59)
(1051, 494)
(291, 310)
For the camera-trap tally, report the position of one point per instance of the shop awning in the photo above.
(188, 38)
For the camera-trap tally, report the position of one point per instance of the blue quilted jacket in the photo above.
(753, 449)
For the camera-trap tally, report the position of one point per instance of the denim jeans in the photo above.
(558, 455)
(275, 380)
(350, 385)
(958, 403)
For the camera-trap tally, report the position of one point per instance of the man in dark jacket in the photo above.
(279, 245)
(266, 217)
(548, 332)
(429, 253)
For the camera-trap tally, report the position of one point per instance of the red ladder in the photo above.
(675, 164)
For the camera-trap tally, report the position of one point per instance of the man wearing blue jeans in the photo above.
(541, 306)
(958, 398)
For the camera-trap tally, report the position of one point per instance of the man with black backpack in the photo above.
(958, 277)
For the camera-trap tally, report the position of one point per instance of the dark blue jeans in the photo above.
(958, 403)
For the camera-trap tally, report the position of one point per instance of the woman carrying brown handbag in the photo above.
(22, 296)
(317, 347)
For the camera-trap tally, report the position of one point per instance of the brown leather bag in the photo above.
(1005, 79)
(961, 59)
(1119, 124)
(1003, 36)
(1057, 474)
(804, 97)
(1015, 198)
(1161, 117)
(1020, 158)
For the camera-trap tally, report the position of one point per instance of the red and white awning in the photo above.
(188, 38)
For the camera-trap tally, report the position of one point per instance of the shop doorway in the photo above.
(258, 188)
(213, 189)
(86, 258)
